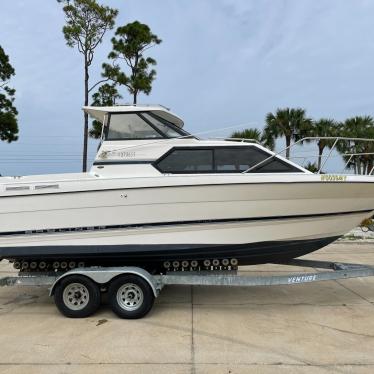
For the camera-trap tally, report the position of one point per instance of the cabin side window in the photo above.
(187, 161)
(221, 160)
(231, 160)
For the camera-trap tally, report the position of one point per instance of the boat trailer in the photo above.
(132, 290)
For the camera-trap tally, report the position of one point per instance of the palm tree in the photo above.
(311, 167)
(288, 122)
(254, 134)
(325, 128)
(358, 127)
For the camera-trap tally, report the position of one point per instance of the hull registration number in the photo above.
(333, 178)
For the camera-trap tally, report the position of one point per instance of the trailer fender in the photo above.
(105, 275)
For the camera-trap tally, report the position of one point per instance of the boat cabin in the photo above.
(151, 140)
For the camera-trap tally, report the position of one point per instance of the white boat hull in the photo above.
(252, 221)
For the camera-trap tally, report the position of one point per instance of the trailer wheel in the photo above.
(130, 296)
(77, 296)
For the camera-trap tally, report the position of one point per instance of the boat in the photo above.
(158, 196)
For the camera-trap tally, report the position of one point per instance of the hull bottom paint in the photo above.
(109, 255)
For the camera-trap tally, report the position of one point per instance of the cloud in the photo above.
(221, 63)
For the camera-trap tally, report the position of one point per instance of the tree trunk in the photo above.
(85, 131)
(320, 152)
(288, 142)
(358, 162)
(370, 165)
(134, 73)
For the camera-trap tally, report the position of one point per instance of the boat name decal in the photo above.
(333, 178)
(302, 279)
(124, 154)
(121, 154)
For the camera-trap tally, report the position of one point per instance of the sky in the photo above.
(222, 63)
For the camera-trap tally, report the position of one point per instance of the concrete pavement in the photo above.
(322, 327)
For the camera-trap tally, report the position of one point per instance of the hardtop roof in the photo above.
(99, 113)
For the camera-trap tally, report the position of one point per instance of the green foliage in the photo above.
(95, 130)
(86, 23)
(129, 44)
(324, 127)
(289, 123)
(311, 167)
(358, 127)
(8, 112)
(254, 134)
(106, 95)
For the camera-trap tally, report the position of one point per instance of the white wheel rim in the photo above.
(130, 297)
(76, 296)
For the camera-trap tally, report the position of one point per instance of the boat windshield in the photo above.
(141, 125)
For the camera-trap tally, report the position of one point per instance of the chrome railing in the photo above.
(335, 140)
(237, 140)
(351, 155)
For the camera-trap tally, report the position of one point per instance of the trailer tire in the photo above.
(77, 296)
(130, 296)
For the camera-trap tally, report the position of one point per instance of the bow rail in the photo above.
(336, 139)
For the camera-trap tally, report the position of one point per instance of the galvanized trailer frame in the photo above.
(336, 270)
(104, 276)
